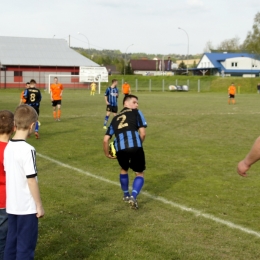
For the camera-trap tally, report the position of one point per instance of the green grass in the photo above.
(194, 142)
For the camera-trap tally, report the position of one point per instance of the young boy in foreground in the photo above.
(6, 129)
(23, 203)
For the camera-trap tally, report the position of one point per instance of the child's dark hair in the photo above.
(6, 122)
(114, 80)
(33, 81)
(129, 97)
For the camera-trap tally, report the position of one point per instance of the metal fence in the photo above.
(145, 84)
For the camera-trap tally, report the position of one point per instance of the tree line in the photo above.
(118, 59)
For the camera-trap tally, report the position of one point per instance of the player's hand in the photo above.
(111, 157)
(242, 168)
(108, 103)
(40, 212)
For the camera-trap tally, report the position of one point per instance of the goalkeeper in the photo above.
(128, 126)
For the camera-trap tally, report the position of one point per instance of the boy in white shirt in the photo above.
(23, 202)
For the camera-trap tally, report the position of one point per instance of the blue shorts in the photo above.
(21, 237)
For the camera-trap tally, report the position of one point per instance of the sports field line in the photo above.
(196, 212)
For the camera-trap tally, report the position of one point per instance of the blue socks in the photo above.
(137, 186)
(106, 119)
(37, 127)
(124, 181)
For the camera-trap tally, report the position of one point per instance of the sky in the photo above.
(131, 26)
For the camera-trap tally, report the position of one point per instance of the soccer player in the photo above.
(93, 87)
(129, 130)
(56, 97)
(33, 98)
(23, 201)
(111, 96)
(126, 90)
(231, 94)
(22, 99)
(6, 129)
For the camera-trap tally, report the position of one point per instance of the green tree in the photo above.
(230, 45)
(252, 41)
(182, 65)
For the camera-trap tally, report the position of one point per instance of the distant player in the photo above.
(33, 98)
(128, 126)
(231, 94)
(126, 90)
(22, 99)
(56, 97)
(93, 87)
(111, 96)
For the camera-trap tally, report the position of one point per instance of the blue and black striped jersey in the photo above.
(112, 95)
(33, 97)
(125, 127)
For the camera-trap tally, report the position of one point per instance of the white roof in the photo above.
(40, 52)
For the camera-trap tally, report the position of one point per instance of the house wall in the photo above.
(205, 63)
(17, 76)
(241, 63)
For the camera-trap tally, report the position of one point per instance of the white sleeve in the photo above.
(30, 164)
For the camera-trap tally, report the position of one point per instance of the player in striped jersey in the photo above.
(111, 96)
(33, 98)
(128, 126)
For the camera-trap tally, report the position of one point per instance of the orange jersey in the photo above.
(56, 90)
(232, 90)
(126, 88)
(22, 97)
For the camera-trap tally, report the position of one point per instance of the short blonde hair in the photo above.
(24, 116)
(6, 122)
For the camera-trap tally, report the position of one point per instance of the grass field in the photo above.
(193, 205)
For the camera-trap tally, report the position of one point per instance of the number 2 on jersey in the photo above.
(122, 123)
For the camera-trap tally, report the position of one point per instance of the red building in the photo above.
(23, 59)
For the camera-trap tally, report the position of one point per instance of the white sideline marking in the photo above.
(161, 199)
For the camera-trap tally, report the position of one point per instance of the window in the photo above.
(234, 64)
(18, 76)
(18, 73)
(74, 79)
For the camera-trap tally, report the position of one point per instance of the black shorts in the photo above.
(231, 96)
(37, 110)
(112, 109)
(56, 102)
(133, 158)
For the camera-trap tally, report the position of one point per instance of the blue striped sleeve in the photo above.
(25, 93)
(110, 130)
(141, 122)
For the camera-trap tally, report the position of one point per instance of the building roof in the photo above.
(25, 51)
(217, 58)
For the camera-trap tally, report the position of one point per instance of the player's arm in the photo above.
(142, 133)
(34, 189)
(21, 98)
(252, 157)
(51, 94)
(61, 87)
(106, 147)
(106, 100)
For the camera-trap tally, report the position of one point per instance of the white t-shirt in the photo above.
(19, 164)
